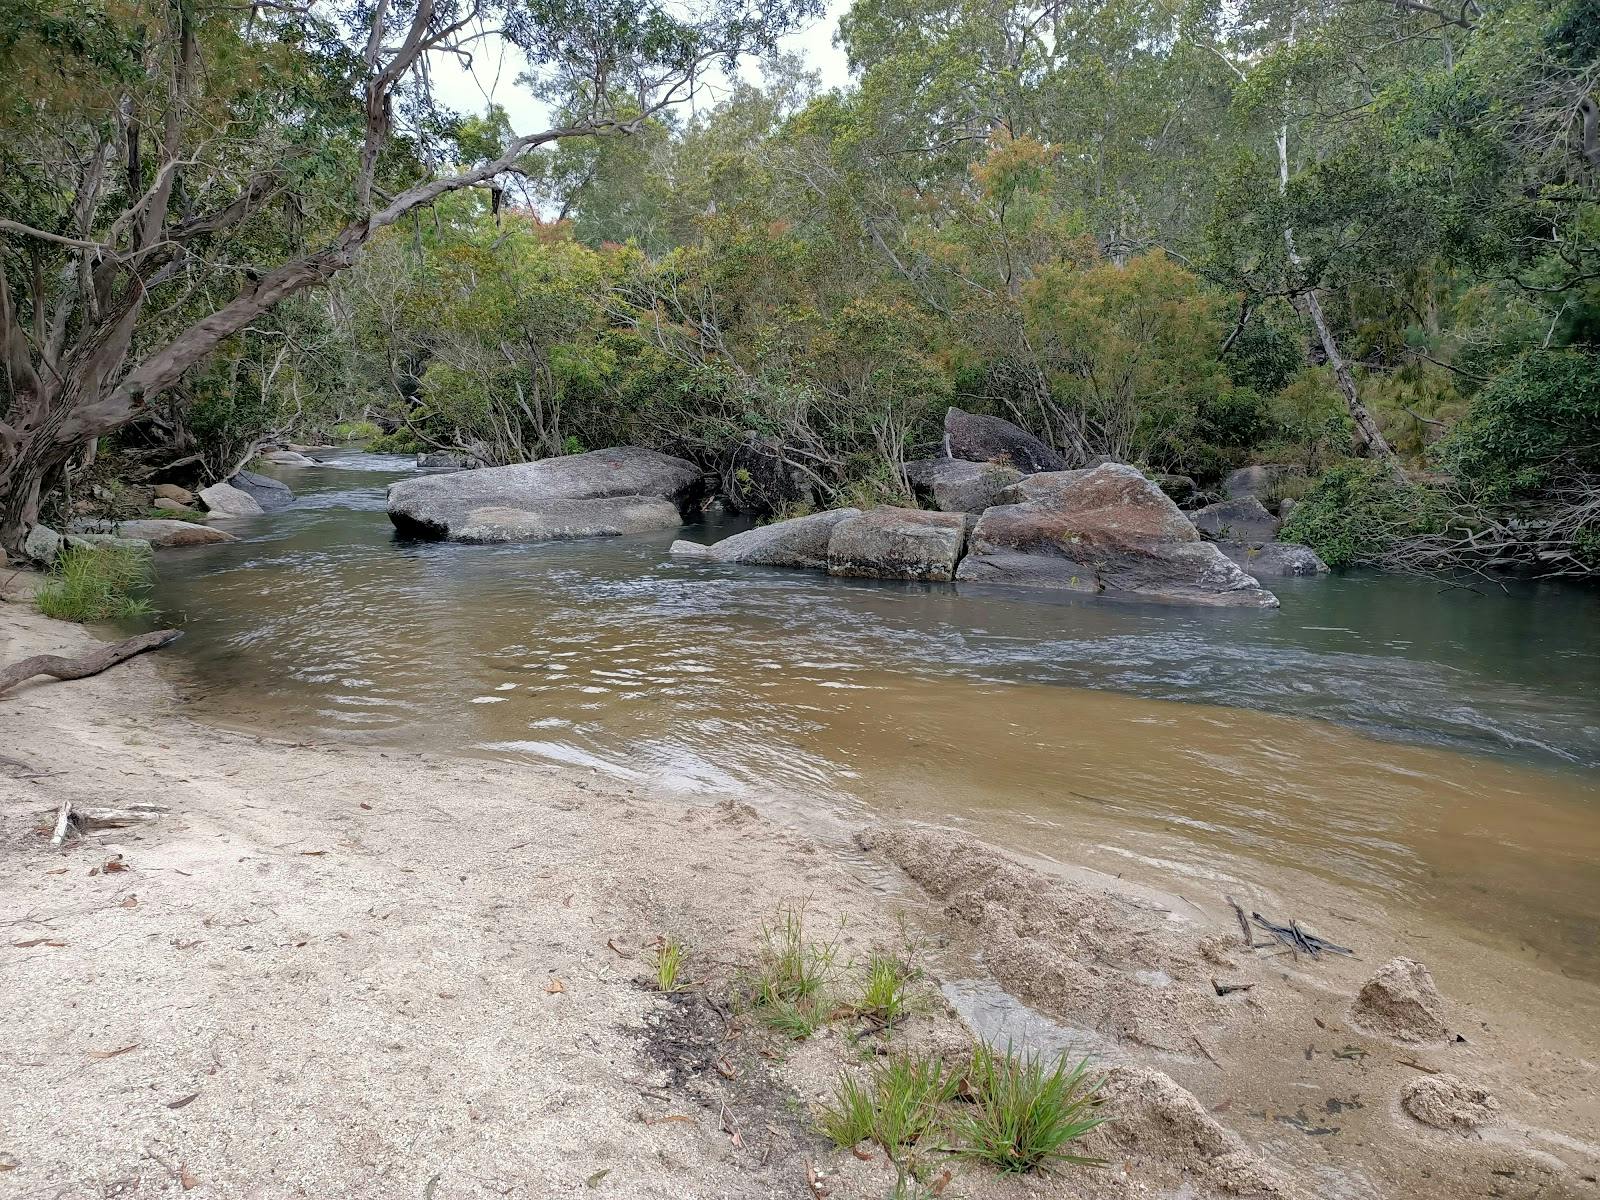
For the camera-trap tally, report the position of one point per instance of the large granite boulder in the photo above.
(1108, 531)
(225, 500)
(448, 460)
(978, 438)
(956, 485)
(799, 542)
(163, 534)
(602, 493)
(269, 493)
(762, 481)
(1242, 519)
(1259, 480)
(898, 543)
(1266, 560)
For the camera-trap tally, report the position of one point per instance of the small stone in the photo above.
(171, 491)
(226, 501)
(42, 544)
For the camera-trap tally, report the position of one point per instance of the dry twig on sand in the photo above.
(85, 664)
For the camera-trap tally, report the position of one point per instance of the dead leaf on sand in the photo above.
(130, 902)
(940, 1183)
(7, 1163)
(366, 806)
(312, 853)
(112, 1053)
(618, 950)
(188, 1178)
(669, 1119)
(594, 1180)
(187, 1100)
(28, 945)
(554, 986)
(863, 1155)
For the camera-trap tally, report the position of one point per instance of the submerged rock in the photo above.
(799, 542)
(166, 534)
(602, 493)
(225, 500)
(1107, 530)
(1242, 519)
(1401, 1002)
(898, 543)
(269, 493)
(955, 485)
(984, 439)
(1445, 1102)
(1268, 560)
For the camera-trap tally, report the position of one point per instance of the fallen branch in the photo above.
(63, 823)
(87, 664)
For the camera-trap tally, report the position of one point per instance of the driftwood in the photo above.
(86, 664)
(63, 823)
(1290, 935)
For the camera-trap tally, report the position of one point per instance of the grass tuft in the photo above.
(885, 997)
(96, 583)
(901, 1105)
(789, 992)
(1026, 1112)
(669, 964)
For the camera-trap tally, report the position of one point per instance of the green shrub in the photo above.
(96, 583)
(885, 997)
(1536, 421)
(1026, 1113)
(669, 964)
(173, 514)
(355, 431)
(401, 441)
(1356, 511)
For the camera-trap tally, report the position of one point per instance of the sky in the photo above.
(492, 77)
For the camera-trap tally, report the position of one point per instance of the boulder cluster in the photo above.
(1001, 508)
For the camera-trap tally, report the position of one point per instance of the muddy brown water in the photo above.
(1434, 749)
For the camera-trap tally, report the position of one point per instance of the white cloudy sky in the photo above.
(495, 67)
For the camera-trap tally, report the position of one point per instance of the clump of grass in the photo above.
(96, 583)
(885, 996)
(789, 992)
(173, 514)
(1026, 1112)
(669, 964)
(901, 1104)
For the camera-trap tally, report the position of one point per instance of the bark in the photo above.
(85, 664)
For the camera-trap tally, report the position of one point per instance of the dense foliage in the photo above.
(1347, 237)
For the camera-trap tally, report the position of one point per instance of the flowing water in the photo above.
(1436, 748)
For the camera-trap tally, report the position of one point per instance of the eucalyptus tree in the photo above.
(175, 169)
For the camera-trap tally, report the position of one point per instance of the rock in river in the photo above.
(1107, 530)
(978, 438)
(602, 493)
(1242, 519)
(1266, 560)
(225, 500)
(800, 542)
(955, 485)
(269, 493)
(163, 533)
(898, 543)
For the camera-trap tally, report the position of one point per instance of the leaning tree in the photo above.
(171, 170)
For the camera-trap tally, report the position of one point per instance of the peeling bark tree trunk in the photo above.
(1377, 445)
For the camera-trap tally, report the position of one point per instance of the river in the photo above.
(1436, 749)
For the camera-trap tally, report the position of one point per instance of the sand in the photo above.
(312, 970)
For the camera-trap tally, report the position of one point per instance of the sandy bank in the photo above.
(328, 972)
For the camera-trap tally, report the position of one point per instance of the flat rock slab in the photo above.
(979, 438)
(480, 505)
(798, 542)
(166, 534)
(956, 485)
(226, 500)
(559, 520)
(1108, 530)
(269, 493)
(1242, 519)
(898, 543)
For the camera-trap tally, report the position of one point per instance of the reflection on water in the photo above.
(958, 704)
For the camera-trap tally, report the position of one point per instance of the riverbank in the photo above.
(329, 971)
